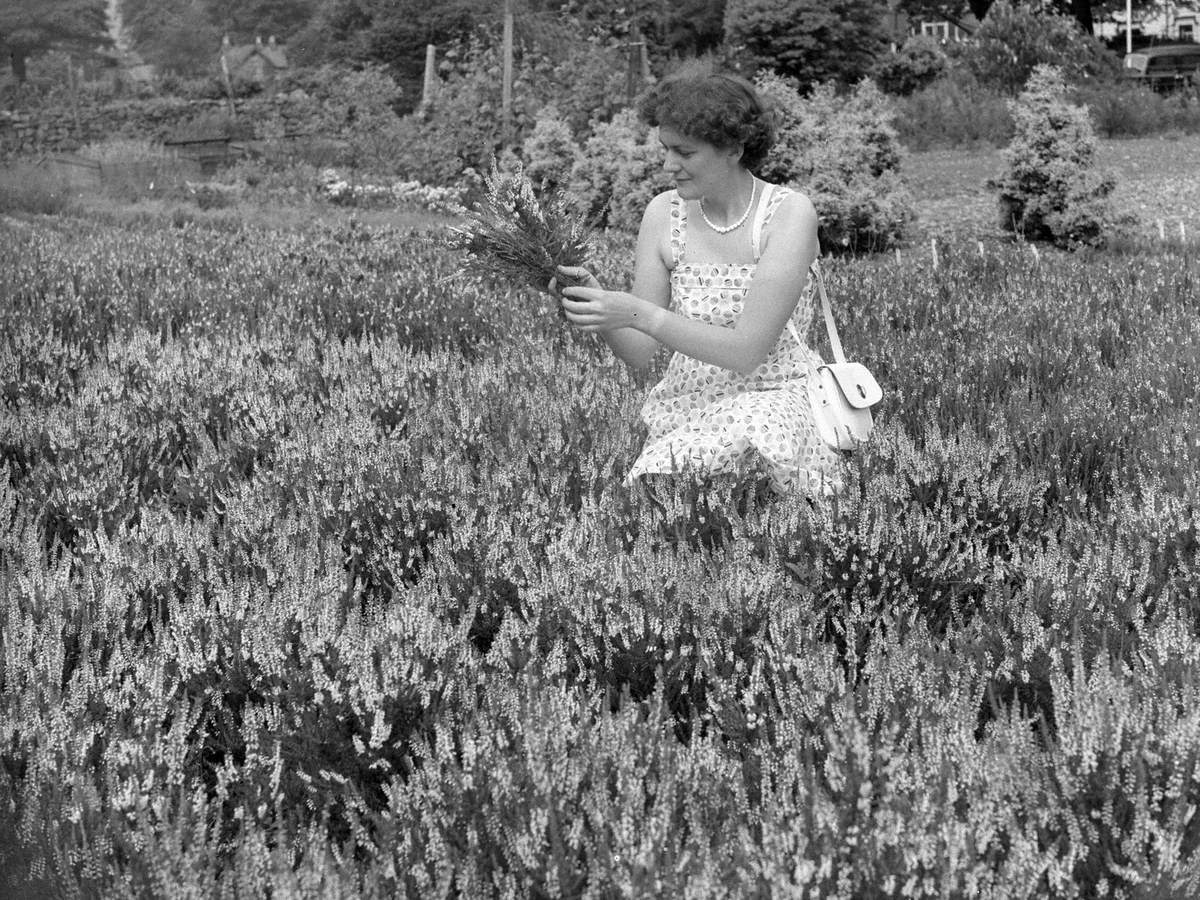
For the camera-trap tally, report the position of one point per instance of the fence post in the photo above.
(72, 87)
(430, 74)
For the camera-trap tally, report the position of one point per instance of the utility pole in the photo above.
(1128, 26)
(506, 88)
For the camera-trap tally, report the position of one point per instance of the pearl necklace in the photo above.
(740, 222)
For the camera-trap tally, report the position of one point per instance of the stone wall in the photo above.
(59, 129)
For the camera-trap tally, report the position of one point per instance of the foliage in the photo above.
(843, 152)
(955, 110)
(618, 171)
(917, 63)
(389, 33)
(464, 126)
(28, 27)
(246, 20)
(29, 188)
(339, 596)
(809, 40)
(176, 36)
(337, 188)
(682, 28)
(1014, 39)
(585, 81)
(519, 236)
(549, 151)
(213, 124)
(1133, 110)
(1051, 189)
(358, 106)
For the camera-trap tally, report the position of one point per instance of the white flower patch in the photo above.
(332, 186)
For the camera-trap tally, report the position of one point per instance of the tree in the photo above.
(691, 27)
(246, 19)
(809, 40)
(29, 27)
(1013, 40)
(670, 27)
(1051, 189)
(175, 35)
(391, 32)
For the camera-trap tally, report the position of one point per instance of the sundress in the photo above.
(707, 418)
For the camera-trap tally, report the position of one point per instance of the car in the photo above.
(1166, 67)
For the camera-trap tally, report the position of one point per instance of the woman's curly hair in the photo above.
(721, 109)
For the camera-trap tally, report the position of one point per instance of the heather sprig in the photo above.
(519, 237)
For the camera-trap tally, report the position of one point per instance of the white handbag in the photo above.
(841, 393)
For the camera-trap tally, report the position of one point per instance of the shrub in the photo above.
(1052, 190)
(844, 153)
(586, 84)
(1014, 39)
(618, 171)
(549, 151)
(30, 189)
(955, 110)
(216, 123)
(196, 87)
(810, 40)
(463, 127)
(1133, 110)
(915, 65)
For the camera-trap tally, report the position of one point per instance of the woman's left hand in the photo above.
(595, 309)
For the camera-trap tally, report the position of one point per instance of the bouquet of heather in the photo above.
(515, 235)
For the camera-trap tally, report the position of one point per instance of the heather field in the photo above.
(318, 579)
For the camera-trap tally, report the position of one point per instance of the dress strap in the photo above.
(773, 195)
(678, 227)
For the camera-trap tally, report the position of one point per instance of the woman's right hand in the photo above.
(572, 276)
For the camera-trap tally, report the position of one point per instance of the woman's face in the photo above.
(698, 167)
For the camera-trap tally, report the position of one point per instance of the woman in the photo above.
(721, 270)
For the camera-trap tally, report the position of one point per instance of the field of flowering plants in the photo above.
(318, 579)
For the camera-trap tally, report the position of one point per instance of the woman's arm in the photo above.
(789, 248)
(651, 284)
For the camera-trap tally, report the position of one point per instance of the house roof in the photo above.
(273, 54)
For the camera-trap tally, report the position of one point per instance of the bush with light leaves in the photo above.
(842, 150)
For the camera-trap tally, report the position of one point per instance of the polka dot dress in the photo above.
(704, 417)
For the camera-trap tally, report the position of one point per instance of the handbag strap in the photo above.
(835, 342)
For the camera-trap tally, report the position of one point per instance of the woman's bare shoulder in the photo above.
(659, 206)
(793, 224)
(795, 204)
